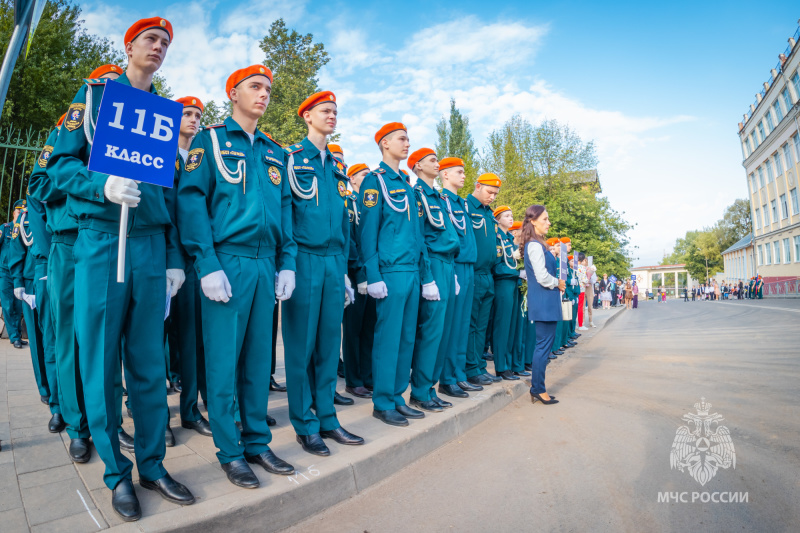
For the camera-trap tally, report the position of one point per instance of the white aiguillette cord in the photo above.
(438, 224)
(391, 202)
(235, 177)
(26, 240)
(295, 186)
(462, 224)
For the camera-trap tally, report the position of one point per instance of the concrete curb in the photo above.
(348, 471)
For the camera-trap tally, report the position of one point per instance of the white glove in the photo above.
(284, 285)
(523, 274)
(216, 286)
(30, 299)
(430, 291)
(122, 191)
(349, 293)
(378, 290)
(362, 288)
(19, 293)
(458, 287)
(175, 279)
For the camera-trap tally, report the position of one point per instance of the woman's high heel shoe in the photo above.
(535, 397)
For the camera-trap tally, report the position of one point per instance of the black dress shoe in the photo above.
(338, 399)
(177, 386)
(169, 489)
(342, 436)
(169, 437)
(271, 421)
(488, 357)
(576, 335)
(358, 392)
(479, 380)
(313, 444)
(271, 463)
(125, 441)
(56, 424)
(45, 400)
(427, 405)
(408, 412)
(553, 355)
(494, 379)
(391, 417)
(453, 391)
(466, 386)
(125, 502)
(522, 374)
(442, 403)
(274, 386)
(201, 426)
(79, 450)
(23, 342)
(240, 474)
(18, 344)
(507, 375)
(571, 344)
(130, 413)
(535, 397)
(528, 368)
(558, 352)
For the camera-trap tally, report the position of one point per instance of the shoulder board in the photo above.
(95, 81)
(379, 170)
(210, 126)
(293, 149)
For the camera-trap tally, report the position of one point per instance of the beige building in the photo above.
(740, 261)
(674, 278)
(770, 139)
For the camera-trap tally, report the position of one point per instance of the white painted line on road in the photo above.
(763, 307)
(87, 510)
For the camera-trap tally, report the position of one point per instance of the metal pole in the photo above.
(14, 49)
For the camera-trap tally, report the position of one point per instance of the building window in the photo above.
(761, 131)
(778, 110)
(768, 253)
(770, 175)
(787, 251)
(754, 136)
(752, 181)
(774, 205)
(778, 164)
(787, 100)
(796, 83)
(758, 218)
(795, 206)
(777, 247)
(796, 248)
(760, 255)
(766, 215)
(796, 140)
(761, 176)
(770, 124)
(784, 207)
(788, 155)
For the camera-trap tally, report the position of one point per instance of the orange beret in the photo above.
(450, 162)
(490, 179)
(419, 155)
(335, 148)
(501, 209)
(141, 26)
(243, 73)
(552, 241)
(99, 72)
(355, 169)
(191, 101)
(314, 100)
(565, 240)
(387, 129)
(570, 257)
(61, 120)
(515, 226)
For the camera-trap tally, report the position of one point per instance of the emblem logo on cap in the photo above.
(113, 68)
(261, 70)
(163, 23)
(194, 100)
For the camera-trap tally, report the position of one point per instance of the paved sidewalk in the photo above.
(42, 490)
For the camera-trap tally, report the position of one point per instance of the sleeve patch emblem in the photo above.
(274, 175)
(343, 192)
(499, 252)
(44, 157)
(194, 159)
(74, 118)
(370, 198)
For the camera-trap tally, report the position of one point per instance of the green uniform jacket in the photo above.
(320, 224)
(484, 227)
(459, 215)
(252, 218)
(354, 263)
(438, 231)
(391, 241)
(572, 291)
(42, 187)
(505, 256)
(87, 202)
(20, 261)
(5, 243)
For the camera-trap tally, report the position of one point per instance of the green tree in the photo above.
(214, 113)
(295, 61)
(737, 222)
(455, 140)
(160, 83)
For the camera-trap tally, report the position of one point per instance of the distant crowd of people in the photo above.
(731, 290)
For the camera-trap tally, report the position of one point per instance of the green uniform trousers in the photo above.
(393, 347)
(359, 332)
(237, 339)
(12, 308)
(560, 338)
(434, 329)
(45, 316)
(482, 300)
(517, 355)
(106, 312)
(506, 315)
(312, 337)
(185, 313)
(455, 363)
(35, 341)
(61, 282)
(573, 324)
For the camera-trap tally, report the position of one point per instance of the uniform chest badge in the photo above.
(274, 175)
(74, 118)
(45, 156)
(370, 198)
(194, 159)
(228, 144)
(419, 208)
(342, 189)
(352, 215)
(305, 161)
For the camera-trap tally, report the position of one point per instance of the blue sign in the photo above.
(633, 277)
(613, 278)
(563, 264)
(136, 135)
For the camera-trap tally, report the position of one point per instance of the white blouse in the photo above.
(536, 257)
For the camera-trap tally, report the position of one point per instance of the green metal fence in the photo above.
(18, 153)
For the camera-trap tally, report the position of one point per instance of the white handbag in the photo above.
(566, 310)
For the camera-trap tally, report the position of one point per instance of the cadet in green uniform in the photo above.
(483, 226)
(12, 309)
(518, 360)
(506, 296)
(359, 317)
(106, 312)
(312, 318)
(760, 287)
(235, 220)
(393, 254)
(435, 322)
(185, 311)
(453, 380)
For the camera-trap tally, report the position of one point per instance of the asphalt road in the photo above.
(598, 460)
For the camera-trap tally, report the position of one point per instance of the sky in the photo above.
(658, 88)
